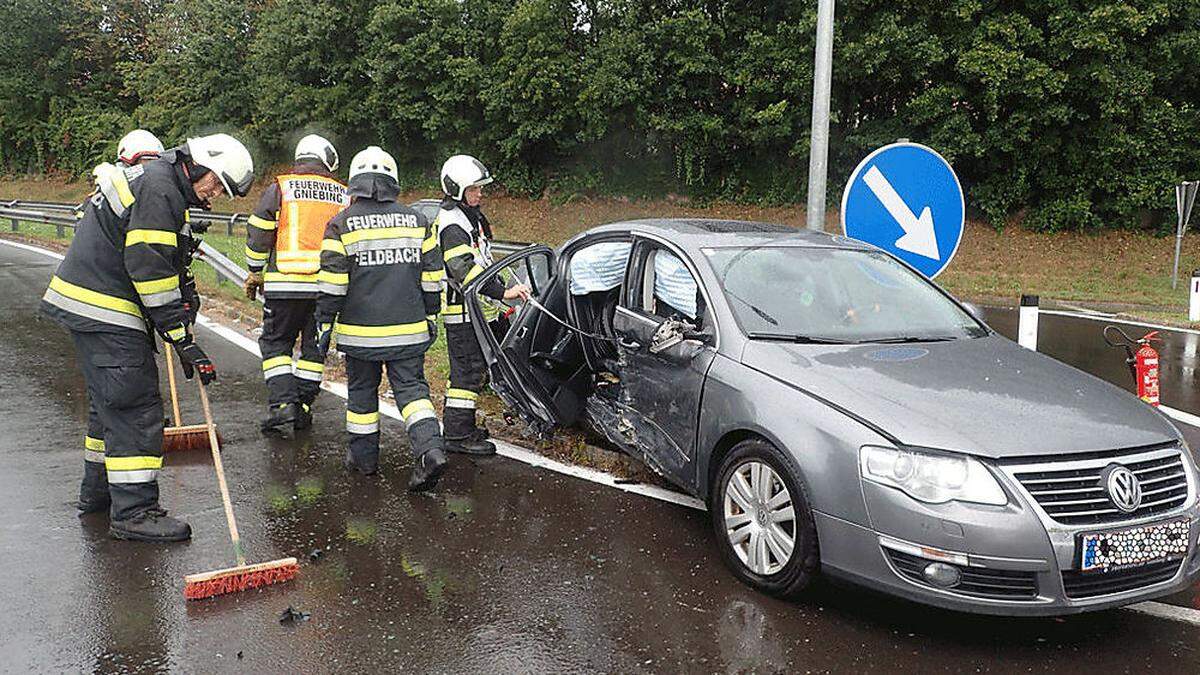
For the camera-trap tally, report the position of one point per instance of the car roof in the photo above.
(697, 233)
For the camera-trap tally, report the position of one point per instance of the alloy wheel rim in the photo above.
(760, 518)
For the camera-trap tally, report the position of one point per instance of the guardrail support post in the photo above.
(1027, 322)
(58, 228)
(15, 224)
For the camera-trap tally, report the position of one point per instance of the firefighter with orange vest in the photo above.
(283, 252)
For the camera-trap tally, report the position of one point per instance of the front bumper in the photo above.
(1010, 542)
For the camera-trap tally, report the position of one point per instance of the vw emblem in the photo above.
(1124, 488)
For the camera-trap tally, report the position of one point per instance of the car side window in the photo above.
(668, 289)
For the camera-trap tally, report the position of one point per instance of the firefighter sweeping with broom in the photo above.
(283, 252)
(118, 285)
(381, 282)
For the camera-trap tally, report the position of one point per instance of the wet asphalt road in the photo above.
(506, 568)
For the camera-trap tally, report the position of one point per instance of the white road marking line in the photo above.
(1103, 317)
(1152, 608)
(1179, 415)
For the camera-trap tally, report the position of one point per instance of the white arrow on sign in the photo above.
(918, 235)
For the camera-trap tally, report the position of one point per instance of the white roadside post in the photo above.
(1185, 199)
(1194, 297)
(1027, 326)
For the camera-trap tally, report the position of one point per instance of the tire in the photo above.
(782, 578)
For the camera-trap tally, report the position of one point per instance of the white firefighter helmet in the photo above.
(315, 147)
(225, 156)
(461, 172)
(137, 145)
(374, 160)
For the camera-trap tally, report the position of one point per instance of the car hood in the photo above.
(985, 396)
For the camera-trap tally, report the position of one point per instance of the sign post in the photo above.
(1185, 199)
(905, 199)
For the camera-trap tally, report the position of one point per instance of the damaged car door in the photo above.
(666, 345)
(535, 367)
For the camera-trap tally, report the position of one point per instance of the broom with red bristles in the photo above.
(180, 438)
(243, 576)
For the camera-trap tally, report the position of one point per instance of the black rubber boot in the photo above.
(93, 491)
(429, 468)
(471, 446)
(152, 524)
(481, 433)
(365, 466)
(303, 417)
(279, 418)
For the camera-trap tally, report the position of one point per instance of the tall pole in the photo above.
(818, 158)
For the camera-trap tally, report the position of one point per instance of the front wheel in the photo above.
(762, 521)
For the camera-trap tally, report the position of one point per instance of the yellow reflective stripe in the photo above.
(453, 309)
(313, 366)
(162, 237)
(117, 178)
(333, 245)
(383, 331)
(132, 463)
(335, 278)
(474, 272)
(461, 249)
(93, 444)
(156, 285)
(429, 244)
(177, 334)
(280, 276)
(251, 254)
(415, 406)
(261, 223)
(362, 418)
(433, 275)
(462, 393)
(383, 233)
(94, 298)
(276, 361)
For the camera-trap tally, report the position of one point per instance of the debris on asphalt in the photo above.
(292, 615)
(315, 554)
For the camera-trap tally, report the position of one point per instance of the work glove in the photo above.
(194, 360)
(324, 336)
(431, 322)
(254, 283)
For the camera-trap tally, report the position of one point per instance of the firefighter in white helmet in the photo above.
(381, 282)
(465, 237)
(283, 252)
(118, 285)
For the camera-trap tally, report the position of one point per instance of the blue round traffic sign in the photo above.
(905, 199)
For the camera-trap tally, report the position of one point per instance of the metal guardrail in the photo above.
(62, 217)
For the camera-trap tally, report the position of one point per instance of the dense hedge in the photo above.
(1076, 113)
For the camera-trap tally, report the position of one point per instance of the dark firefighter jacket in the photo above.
(129, 253)
(381, 272)
(465, 250)
(284, 234)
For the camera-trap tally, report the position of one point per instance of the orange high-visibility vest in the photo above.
(307, 203)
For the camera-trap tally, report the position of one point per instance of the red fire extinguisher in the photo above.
(1143, 364)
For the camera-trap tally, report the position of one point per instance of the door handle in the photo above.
(629, 344)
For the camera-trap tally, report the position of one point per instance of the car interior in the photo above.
(570, 363)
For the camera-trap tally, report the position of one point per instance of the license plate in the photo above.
(1133, 547)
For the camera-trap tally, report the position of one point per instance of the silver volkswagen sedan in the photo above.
(841, 414)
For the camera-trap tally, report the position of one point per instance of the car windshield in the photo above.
(824, 295)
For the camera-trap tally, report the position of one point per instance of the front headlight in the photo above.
(931, 478)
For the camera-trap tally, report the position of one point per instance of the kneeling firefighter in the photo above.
(119, 284)
(465, 236)
(283, 236)
(381, 280)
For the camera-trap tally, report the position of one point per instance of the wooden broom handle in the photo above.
(171, 380)
(216, 456)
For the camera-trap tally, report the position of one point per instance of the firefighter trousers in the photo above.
(290, 379)
(468, 374)
(411, 391)
(123, 446)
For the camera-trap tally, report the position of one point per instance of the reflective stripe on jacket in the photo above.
(466, 255)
